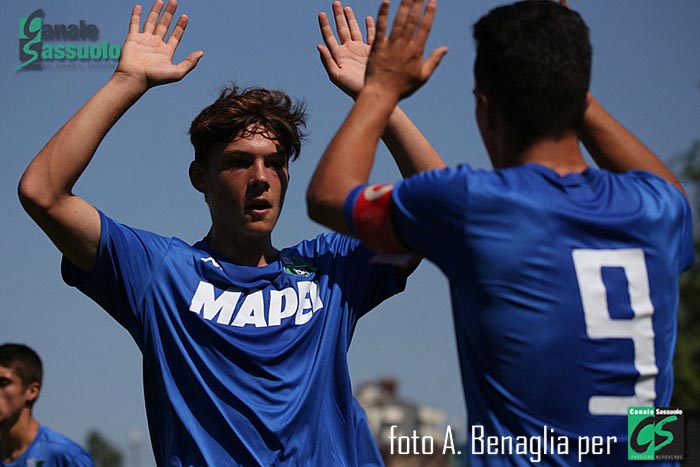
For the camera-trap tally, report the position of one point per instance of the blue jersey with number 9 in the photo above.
(565, 293)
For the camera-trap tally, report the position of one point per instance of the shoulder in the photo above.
(654, 182)
(654, 191)
(324, 253)
(328, 243)
(458, 174)
(446, 183)
(117, 232)
(112, 228)
(663, 196)
(59, 447)
(444, 192)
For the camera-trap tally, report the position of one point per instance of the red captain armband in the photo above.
(371, 218)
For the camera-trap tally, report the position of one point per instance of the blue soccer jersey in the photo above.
(243, 365)
(564, 294)
(51, 449)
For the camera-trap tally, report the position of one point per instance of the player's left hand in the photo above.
(396, 65)
(345, 58)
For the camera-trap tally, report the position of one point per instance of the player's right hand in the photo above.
(146, 57)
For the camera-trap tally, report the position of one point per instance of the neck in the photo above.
(16, 439)
(562, 155)
(256, 252)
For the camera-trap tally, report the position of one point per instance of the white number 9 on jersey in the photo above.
(600, 325)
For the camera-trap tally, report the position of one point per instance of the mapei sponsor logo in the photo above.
(41, 43)
(260, 308)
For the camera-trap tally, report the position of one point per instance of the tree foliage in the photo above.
(103, 452)
(687, 357)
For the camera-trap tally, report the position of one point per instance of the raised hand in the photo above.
(345, 61)
(147, 55)
(396, 62)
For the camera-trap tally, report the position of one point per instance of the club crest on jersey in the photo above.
(297, 266)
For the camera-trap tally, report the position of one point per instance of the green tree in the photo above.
(102, 451)
(686, 363)
(687, 357)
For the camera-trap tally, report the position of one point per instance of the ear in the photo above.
(488, 117)
(197, 177)
(487, 114)
(32, 391)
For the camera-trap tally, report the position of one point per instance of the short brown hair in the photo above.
(23, 361)
(238, 112)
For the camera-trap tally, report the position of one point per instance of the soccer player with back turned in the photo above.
(563, 277)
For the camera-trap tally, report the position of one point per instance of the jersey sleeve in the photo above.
(686, 254)
(125, 263)
(675, 220)
(429, 212)
(364, 283)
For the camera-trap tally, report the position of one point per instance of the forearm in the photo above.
(57, 167)
(45, 189)
(615, 148)
(347, 162)
(411, 150)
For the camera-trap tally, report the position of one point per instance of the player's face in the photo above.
(245, 182)
(14, 396)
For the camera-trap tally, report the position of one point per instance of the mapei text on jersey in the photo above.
(294, 304)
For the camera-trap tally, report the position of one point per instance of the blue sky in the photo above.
(646, 72)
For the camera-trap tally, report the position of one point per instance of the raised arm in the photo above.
(45, 189)
(345, 61)
(615, 148)
(395, 70)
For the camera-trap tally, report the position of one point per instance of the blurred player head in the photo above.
(532, 73)
(20, 381)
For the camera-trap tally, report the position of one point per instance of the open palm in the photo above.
(147, 56)
(345, 61)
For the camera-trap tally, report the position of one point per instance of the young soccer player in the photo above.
(244, 345)
(564, 278)
(24, 442)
